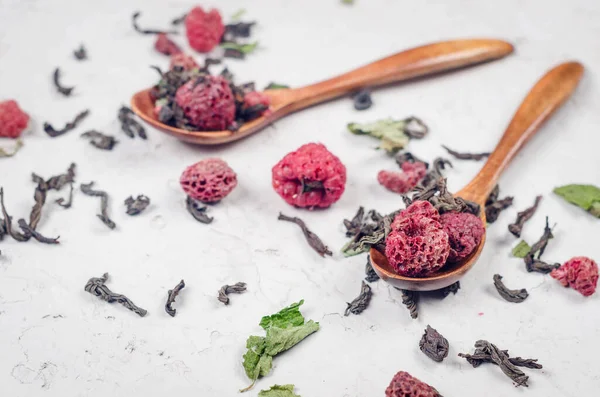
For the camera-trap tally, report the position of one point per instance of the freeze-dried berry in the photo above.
(256, 98)
(207, 102)
(464, 234)
(209, 180)
(13, 120)
(187, 62)
(403, 182)
(310, 177)
(404, 384)
(204, 29)
(166, 46)
(579, 273)
(418, 208)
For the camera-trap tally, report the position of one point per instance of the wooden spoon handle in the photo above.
(416, 62)
(549, 93)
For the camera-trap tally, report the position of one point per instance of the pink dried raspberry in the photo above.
(403, 182)
(204, 29)
(187, 62)
(404, 384)
(310, 177)
(256, 98)
(209, 180)
(579, 273)
(207, 102)
(464, 234)
(13, 120)
(166, 46)
(417, 208)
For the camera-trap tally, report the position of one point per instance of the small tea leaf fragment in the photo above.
(279, 391)
(586, 197)
(521, 250)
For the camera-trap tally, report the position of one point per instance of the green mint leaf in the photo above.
(586, 197)
(279, 391)
(348, 1)
(238, 14)
(391, 132)
(256, 348)
(276, 86)
(352, 249)
(243, 48)
(287, 317)
(521, 250)
(281, 339)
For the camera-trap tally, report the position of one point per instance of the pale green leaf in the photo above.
(243, 48)
(521, 250)
(287, 317)
(238, 14)
(583, 196)
(282, 339)
(9, 153)
(391, 132)
(279, 391)
(256, 348)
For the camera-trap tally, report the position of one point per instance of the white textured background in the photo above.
(57, 340)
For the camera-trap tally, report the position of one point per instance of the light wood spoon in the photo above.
(416, 62)
(542, 101)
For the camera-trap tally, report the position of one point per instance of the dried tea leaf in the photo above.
(521, 249)
(80, 53)
(287, 317)
(86, 188)
(466, 156)
(96, 286)
(410, 300)
(370, 274)
(66, 91)
(313, 240)
(242, 48)
(434, 345)
(522, 217)
(225, 290)
(510, 295)
(137, 205)
(362, 100)
(136, 27)
(390, 132)
(100, 140)
(361, 302)
(197, 211)
(11, 152)
(586, 197)
(50, 130)
(171, 295)
(279, 391)
(276, 86)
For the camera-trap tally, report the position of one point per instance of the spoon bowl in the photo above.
(416, 62)
(549, 93)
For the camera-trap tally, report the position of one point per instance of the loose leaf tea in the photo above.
(313, 240)
(466, 156)
(360, 303)
(451, 289)
(493, 205)
(362, 100)
(279, 391)
(129, 125)
(285, 329)
(521, 249)
(9, 153)
(134, 19)
(171, 295)
(533, 264)
(66, 91)
(410, 300)
(179, 20)
(7, 223)
(96, 286)
(522, 217)
(235, 30)
(488, 352)
(137, 205)
(394, 134)
(50, 130)
(197, 211)
(276, 86)
(80, 53)
(30, 232)
(225, 290)
(371, 275)
(367, 231)
(586, 197)
(238, 51)
(100, 140)
(434, 345)
(510, 295)
(66, 204)
(103, 216)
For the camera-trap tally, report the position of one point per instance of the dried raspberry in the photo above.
(12, 119)
(209, 180)
(166, 46)
(207, 102)
(404, 384)
(310, 177)
(417, 245)
(464, 234)
(403, 182)
(204, 29)
(187, 62)
(256, 98)
(579, 273)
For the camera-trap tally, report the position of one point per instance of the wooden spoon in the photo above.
(542, 101)
(416, 62)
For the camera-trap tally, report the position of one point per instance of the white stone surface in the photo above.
(57, 340)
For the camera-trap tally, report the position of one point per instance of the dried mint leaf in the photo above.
(238, 14)
(242, 48)
(281, 339)
(586, 197)
(521, 250)
(276, 86)
(287, 317)
(391, 132)
(279, 391)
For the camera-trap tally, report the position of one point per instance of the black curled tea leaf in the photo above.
(367, 231)
(434, 345)
(510, 295)
(313, 240)
(533, 264)
(522, 217)
(66, 91)
(66, 203)
(486, 352)
(451, 289)
(362, 100)
(415, 128)
(239, 29)
(80, 53)
(136, 27)
(197, 211)
(370, 274)
(276, 86)
(179, 20)
(494, 206)
(171, 295)
(466, 156)
(137, 205)
(129, 125)
(50, 130)
(410, 300)
(103, 216)
(30, 232)
(225, 290)
(100, 140)
(7, 223)
(96, 286)
(361, 302)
